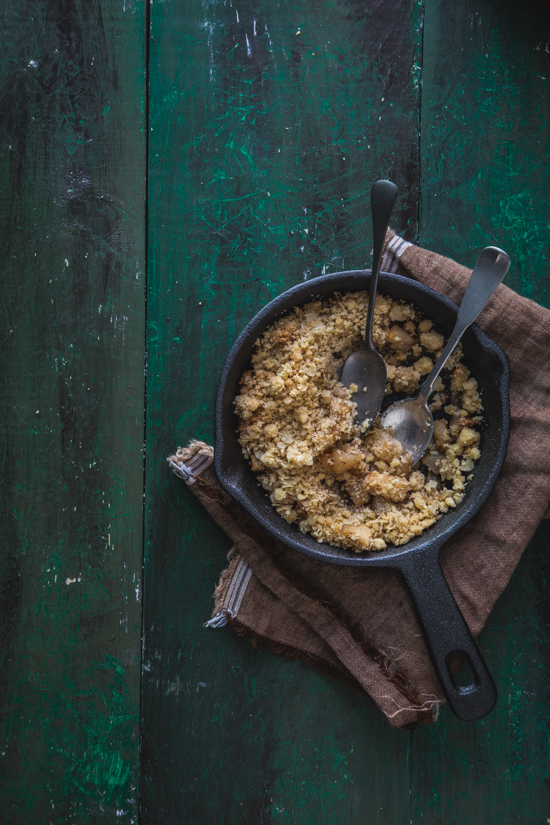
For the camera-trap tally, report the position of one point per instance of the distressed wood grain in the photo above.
(485, 138)
(268, 124)
(72, 342)
(484, 160)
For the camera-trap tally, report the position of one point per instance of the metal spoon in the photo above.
(411, 420)
(365, 367)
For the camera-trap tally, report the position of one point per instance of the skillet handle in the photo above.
(446, 633)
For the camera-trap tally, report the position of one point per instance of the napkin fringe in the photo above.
(189, 462)
(395, 246)
(230, 590)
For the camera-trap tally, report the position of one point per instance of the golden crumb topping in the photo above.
(345, 486)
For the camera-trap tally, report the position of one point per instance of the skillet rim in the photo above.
(449, 523)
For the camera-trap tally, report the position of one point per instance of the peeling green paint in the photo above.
(72, 389)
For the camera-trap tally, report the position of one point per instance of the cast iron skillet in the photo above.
(445, 630)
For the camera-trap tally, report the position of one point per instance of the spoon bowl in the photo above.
(364, 371)
(412, 424)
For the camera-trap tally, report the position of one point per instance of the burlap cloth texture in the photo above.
(359, 625)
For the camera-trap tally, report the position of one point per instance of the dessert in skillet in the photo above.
(346, 486)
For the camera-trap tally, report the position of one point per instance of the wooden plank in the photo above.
(485, 140)
(72, 334)
(484, 147)
(269, 122)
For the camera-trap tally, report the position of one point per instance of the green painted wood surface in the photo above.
(497, 770)
(72, 333)
(485, 137)
(267, 124)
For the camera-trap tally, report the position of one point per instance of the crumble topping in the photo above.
(348, 486)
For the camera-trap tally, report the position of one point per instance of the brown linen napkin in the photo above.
(359, 625)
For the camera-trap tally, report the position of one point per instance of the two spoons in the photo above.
(364, 371)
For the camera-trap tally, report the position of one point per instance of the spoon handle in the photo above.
(491, 267)
(382, 198)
